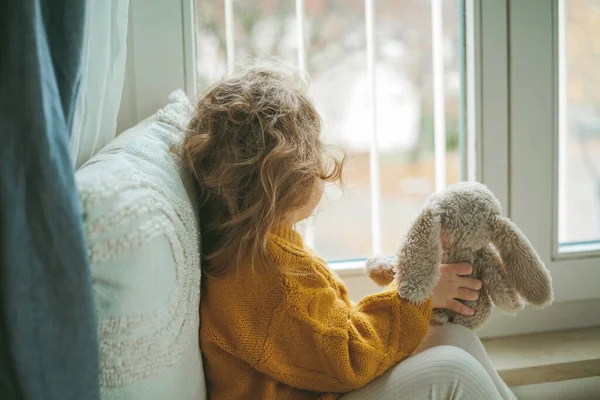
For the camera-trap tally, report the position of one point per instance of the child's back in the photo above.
(293, 335)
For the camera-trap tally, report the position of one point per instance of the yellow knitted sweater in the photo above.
(292, 333)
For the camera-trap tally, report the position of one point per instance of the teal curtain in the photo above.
(48, 339)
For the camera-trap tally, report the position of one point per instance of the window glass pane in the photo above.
(261, 29)
(579, 163)
(405, 108)
(336, 60)
(264, 28)
(211, 50)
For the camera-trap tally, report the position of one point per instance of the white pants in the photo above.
(451, 363)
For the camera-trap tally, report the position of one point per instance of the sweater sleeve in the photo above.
(317, 342)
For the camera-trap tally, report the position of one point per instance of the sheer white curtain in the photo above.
(103, 73)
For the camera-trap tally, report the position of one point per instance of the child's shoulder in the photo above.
(286, 243)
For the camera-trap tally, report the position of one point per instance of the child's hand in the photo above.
(452, 286)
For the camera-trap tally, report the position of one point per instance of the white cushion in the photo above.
(142, 232)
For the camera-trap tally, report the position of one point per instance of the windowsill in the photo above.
(567, 312)
(349, 267)
(578, 249)
(546, 357)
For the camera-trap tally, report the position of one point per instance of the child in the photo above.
(275, 322)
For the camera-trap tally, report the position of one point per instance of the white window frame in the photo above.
(160, 57)
(503, 134)
(534, 139)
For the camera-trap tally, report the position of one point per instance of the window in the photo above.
(552, 187)
(517, 112)
(579, 124)
(388, 79)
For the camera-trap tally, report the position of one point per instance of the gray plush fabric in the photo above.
(463, 224)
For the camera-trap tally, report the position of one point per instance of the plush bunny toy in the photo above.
(460, 224)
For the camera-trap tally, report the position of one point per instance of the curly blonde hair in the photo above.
(254, 147)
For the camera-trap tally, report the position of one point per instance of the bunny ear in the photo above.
(419, 258)
(524, 267)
